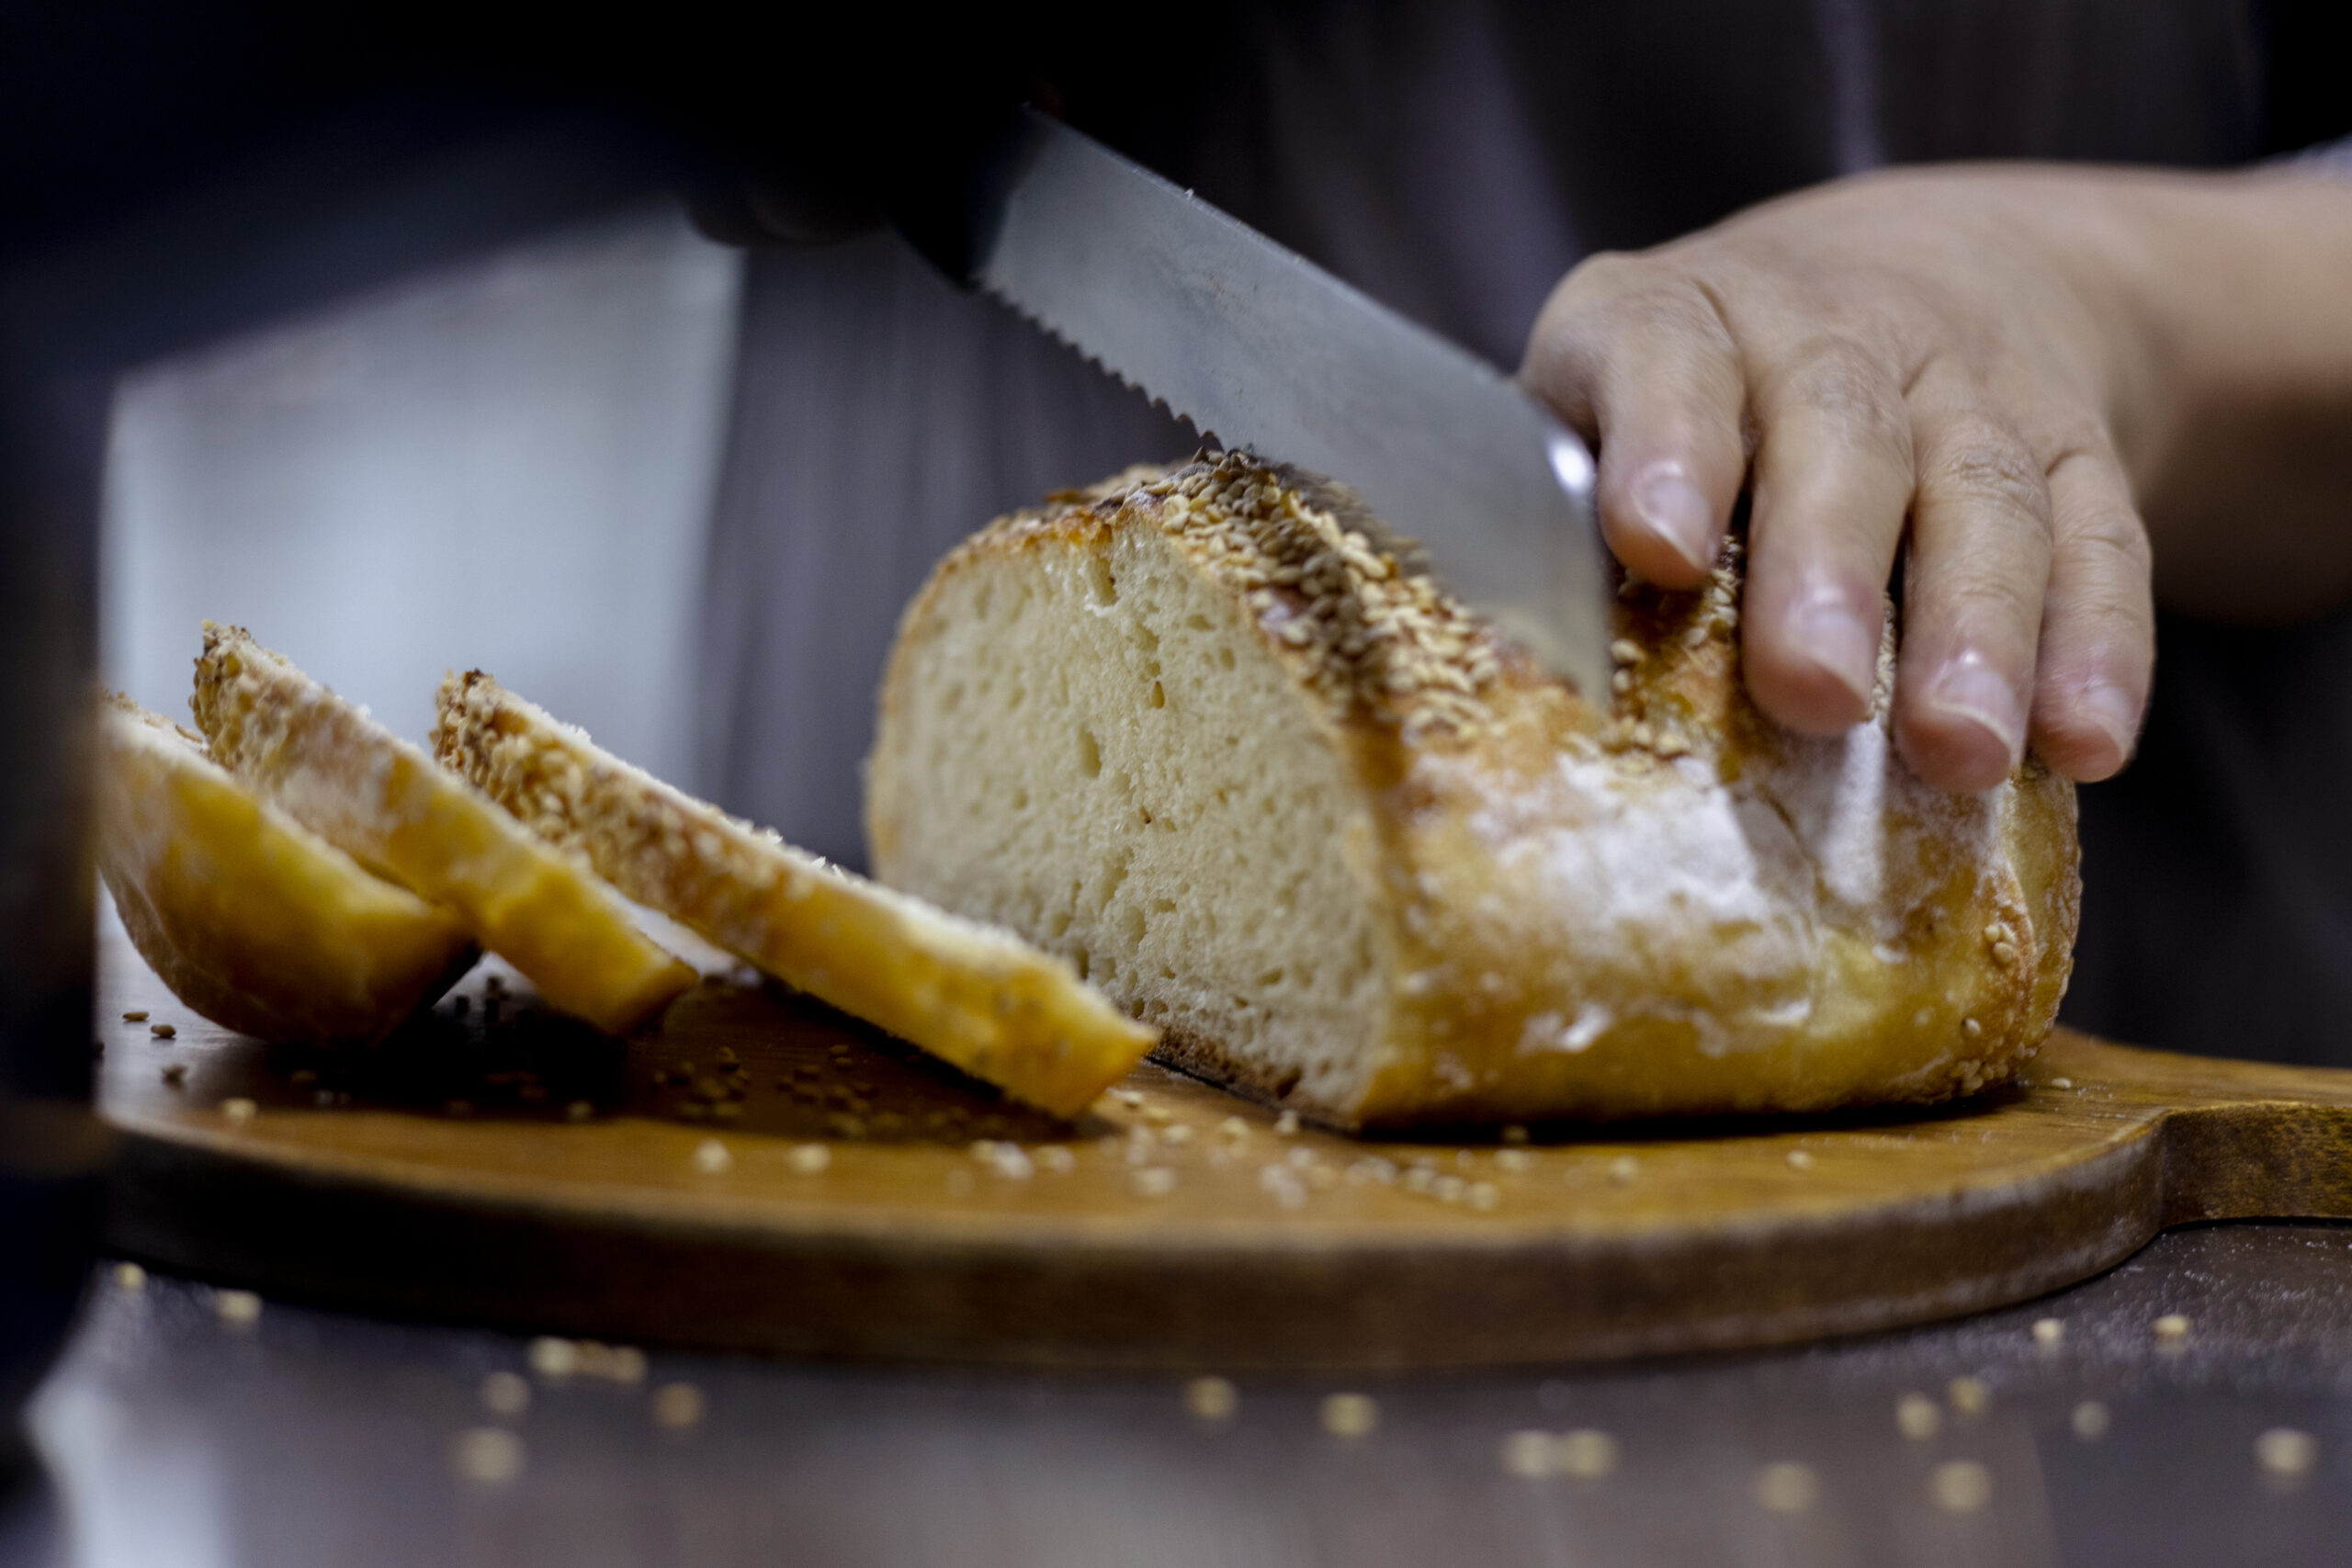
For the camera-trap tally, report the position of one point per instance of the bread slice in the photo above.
(251, 918)
(383, 801)
(1358, 855)
(973, 995)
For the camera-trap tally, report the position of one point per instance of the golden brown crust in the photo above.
(1660, 903)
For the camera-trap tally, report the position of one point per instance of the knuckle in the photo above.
(1986, 466)
(1840, 382)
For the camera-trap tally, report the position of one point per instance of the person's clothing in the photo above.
(1454, 158)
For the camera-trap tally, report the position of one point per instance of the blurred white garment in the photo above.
(506, 465)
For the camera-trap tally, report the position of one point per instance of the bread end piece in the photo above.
(976, 997)
(252, 919)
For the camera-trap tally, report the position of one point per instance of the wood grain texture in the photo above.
(356, 1183)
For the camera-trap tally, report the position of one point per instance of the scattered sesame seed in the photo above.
(1800, 1159)
(1234, 1127)
(1918, 1417)
(162, 1030)
(677, 1406)
(239, 1110)
(1970, 1396)
(1784, 1486)
(1211, 1399)
(2090, 1420)
(137, 1015)
(1623, 1168)
(505, 1394)
(2062, 1083)
(487, 1456)
(238, 1309)
(711, 1157)
(2005, 954)
(2172, 1330)
(1526, 1454)
(2285, 1454)
(130, 1277)
(1153, 1181)
(1178, 1135)
(1586, 1454)
(1286, 1124)
(1970, 1028)
(809, 1159)
(1960, 1487)
(2049, 1332)
(1054, 1158)
(553, 1359)
(1514, 1160)
(1350, 1415)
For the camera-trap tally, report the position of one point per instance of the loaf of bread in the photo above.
(1202, 731)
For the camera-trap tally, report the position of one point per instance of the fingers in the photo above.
(1833, 481)
(1973, 591)
(2099, 623)
(1647, 369)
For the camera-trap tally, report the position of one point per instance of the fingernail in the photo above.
(1839, 642)
(2111, 708)
(1972, 690)
(1671, 507)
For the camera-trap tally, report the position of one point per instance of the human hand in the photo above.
(1936, 348)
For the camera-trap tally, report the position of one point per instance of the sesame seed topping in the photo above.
(809, 1159)
(1286, 1124)
(1960, 1487)
(2062, 1083)
(1970, 1396)
(1211, 1399)
(1623, 1168)
(239, 1110)
(2090, 1420)
(1918, 1417)
(505, 1394)
(238, 1309)
(487, 1456)
(162, 1030)
(1785, 1486)
(2172, 1330)
(553, 1359)
(1527, 1454)
(1153, 1181)
(1800, 1159)
(711, 1157)
(1585, 1454)
(2285, 1454)
(2049, 1332)
(677, 1407)
(130, 1277)
(1351, 1415)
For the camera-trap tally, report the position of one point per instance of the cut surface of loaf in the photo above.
(975, 996)
(251, 918)
(1356, 854)
(386, 803)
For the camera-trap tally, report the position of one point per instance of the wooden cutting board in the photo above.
(572, 1192)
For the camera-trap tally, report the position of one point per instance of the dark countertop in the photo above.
(176, 1436)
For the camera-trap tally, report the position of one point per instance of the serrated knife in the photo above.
(1263, 349)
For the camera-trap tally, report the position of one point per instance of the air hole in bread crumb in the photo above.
(1158, 696)
(1090, 754)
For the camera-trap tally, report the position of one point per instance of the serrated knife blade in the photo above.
(1265, 350)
